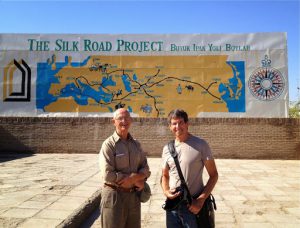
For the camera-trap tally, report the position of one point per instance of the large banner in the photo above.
(208, 75)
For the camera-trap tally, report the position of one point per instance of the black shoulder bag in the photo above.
(206, 216)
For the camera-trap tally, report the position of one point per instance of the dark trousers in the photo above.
(181, 217)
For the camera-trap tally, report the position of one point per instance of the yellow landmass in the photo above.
(158, 78)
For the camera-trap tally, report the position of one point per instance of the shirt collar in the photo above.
(116, 137)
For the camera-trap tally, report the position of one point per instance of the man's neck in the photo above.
(182, 138)
(123, 135)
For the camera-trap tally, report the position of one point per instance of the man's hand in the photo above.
(132, 180)
(172, 194)
(196, 205)
(126, 182)
(140, 185)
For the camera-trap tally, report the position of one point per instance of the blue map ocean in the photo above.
(46, 77)
(233, 92)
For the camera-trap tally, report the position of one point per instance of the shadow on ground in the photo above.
(5, 157)
(90, 221)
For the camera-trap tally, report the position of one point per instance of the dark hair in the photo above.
(178, 113)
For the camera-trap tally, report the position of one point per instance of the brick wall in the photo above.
(247, 138)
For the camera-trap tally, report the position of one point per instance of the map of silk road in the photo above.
(149, 86)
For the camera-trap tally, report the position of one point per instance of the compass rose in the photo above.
(266, 83)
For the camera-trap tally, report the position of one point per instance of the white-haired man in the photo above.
(124, 169)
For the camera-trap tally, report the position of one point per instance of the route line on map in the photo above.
(87, 81)
(184, 80)
(141, 86)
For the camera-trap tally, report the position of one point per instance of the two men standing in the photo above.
(124, 169)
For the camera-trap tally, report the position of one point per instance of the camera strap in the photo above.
(172, 150)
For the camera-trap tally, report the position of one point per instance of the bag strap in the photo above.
(172, 150)
(212, 199)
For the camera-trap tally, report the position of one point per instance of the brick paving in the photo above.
(43, 190)
(49, 190)
(249, 193)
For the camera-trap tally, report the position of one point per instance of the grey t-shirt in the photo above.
(191, 156)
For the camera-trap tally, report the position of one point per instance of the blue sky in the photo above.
(127, 17)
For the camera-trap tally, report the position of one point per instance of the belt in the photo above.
(121, 189)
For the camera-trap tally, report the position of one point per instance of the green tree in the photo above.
(294, 110)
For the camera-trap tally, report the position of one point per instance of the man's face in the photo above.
(179, 127)
(122, 121)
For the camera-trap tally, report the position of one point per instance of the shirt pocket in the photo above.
(121, 161)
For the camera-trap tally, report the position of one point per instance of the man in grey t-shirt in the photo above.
(193, 155)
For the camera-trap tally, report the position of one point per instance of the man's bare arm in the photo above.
(169, 193)
(211, 168)
(213, 178)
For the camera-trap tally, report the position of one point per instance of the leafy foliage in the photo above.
(294, 111)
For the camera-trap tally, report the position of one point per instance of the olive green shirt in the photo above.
(119, 158)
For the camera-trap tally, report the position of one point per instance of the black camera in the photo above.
(172, 204)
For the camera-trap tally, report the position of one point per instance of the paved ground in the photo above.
(50, 190)
(44, 190)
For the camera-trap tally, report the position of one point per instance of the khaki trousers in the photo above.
(119, 209)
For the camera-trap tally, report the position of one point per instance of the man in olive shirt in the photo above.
(194, 155)
(124, 169)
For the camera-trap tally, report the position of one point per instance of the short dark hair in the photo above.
(178, 113)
